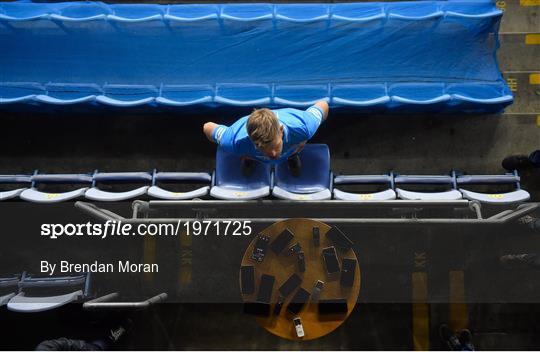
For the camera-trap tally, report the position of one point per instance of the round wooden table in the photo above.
(284, 265)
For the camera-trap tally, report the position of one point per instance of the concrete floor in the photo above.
(501, 306)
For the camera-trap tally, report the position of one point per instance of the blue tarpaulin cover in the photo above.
(400, 56)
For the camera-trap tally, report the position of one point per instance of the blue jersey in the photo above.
(298, 126)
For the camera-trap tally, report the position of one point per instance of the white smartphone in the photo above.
(298, 326)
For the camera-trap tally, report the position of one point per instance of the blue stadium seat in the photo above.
(247, 12)
(360, 95)
(450, 180)
(301, 96)
(191, 12)
(67, 93)
(243, 94)
(112, 178)
(24, 303)
(516, 196)
(20, 92)
(36, 196)
(14, 180)
(418, 93)
(230, 183)
(182, 95)
(127, 95)
(132, 13)
(8, 284)
(388, 194)
(157, 191)
(315, 179)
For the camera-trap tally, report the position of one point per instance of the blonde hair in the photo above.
(262, 127)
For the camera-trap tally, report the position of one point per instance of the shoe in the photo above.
(520, 260)
(118, 332)
(295, 165)
(465, 339)
(525, 220)
(248, 166)
(449, 338)
(516, 162)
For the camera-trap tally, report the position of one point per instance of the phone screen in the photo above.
(288, 287)
(330, 260)
(248, 279)
(281, 241)
(265, 288)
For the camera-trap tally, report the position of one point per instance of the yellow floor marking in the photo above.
(185, 259)
(149, 253)
(420, 312)
(532, 39)
(534, 78)
(529, 2)
(459, 317)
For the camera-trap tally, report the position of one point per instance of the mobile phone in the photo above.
(247, 278)
(317, 288)
(330, 260)
(259, 251)
(301, 262)
(298, 301)
(265, 288)
(279, 305)
(281, 241)
(298, 327)
(316, 237)
(333, 306)
(339, 239)
(348, 267)
(295, 248)
(290, 285)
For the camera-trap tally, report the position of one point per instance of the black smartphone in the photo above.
(298, 301)
(333, 306)
(247, 278)
(290, 285)
(259, 251)
(330, 260)
(279, 305)
(339, 239)
(295, 248)
(348, 268)
(265, 288)
(281, 241)
(301, 258)
(316, 237)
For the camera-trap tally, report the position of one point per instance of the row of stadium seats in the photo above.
(391, 95)
(19, 292)
(73, 12)
(316, 182)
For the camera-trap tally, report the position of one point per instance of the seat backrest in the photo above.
(489, 179)
(122, 177)
(62, 178)
(426, 180)
(15, 178)
(229, 172)
(364, 179)
(315, 174)
(202, 177)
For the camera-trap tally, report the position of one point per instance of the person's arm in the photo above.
(313, 117)
(324, 107)
(214, 132)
